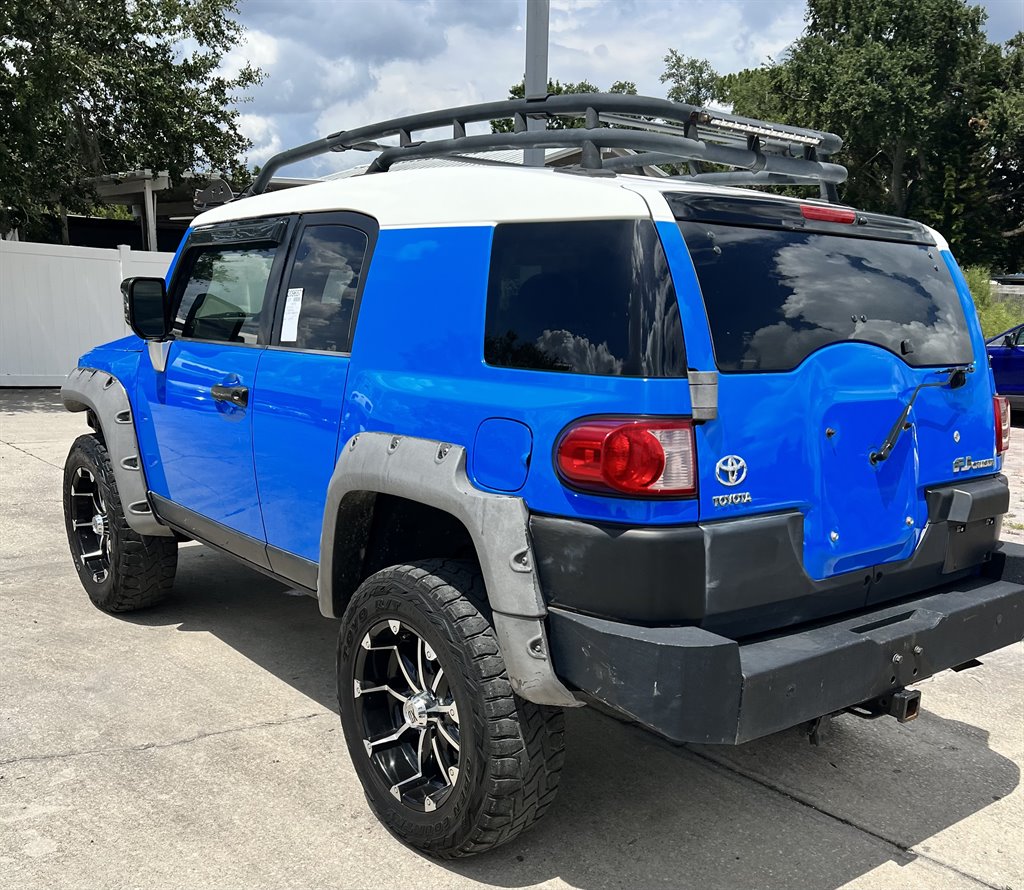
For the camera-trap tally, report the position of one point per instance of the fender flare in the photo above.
(434, 473)
(89, 389)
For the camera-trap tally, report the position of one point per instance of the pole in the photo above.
(149, 213)
(537, 15)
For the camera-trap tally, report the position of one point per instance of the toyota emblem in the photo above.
(731, 470)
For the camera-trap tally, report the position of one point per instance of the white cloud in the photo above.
(258, 49)
(406, 86)
(262, 132)
(345, 63)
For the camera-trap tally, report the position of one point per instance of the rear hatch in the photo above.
(824, 322)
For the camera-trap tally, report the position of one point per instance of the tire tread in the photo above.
(522, 743)
(144, 565)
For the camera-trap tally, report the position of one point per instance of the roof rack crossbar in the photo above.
(729, 131)
(665, 152)
(748, 177)
(723, 132)
(662, 150)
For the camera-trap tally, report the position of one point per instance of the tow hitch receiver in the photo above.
(904, 705)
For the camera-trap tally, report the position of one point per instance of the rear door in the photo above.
(300, 386)
(822, 329)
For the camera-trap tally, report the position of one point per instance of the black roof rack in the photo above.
(657, 130)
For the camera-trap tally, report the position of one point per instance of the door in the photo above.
(300, 385)
(823, 336)
(1006, 353)
(196, 423)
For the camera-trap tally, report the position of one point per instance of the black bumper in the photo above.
(691, 685)
(745, 575)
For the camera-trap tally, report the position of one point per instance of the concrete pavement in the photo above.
(197, 745)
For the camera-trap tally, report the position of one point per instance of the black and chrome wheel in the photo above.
(408, 714)
(120, 569)
(90, 523)
(452, 762)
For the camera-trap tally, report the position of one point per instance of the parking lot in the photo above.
(198, 745)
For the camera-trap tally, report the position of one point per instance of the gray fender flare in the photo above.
(88, 389)
(434, 473)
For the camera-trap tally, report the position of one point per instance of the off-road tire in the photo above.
(511, 750)
(141, 567)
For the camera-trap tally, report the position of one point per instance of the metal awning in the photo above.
(134, 188)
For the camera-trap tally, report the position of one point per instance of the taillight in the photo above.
(1001, 404)
(639, 457)
(827, 214)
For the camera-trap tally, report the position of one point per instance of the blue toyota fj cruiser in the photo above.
(721, 461)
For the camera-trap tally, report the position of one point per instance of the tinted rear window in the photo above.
(775, 296)
(583, 297)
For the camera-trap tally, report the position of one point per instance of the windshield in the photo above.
(774, 296)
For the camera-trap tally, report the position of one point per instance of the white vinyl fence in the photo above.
(57, 302)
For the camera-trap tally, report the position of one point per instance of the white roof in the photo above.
(470, 195)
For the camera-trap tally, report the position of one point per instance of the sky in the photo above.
(336, 64)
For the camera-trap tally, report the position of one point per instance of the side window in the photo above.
(320, 300)
(588, 297)
(224, 295)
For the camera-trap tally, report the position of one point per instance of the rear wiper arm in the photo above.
(955, 378)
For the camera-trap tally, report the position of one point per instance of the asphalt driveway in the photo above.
(198, 745)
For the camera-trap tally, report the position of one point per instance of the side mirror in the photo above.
(1008, 341)
(145, 307)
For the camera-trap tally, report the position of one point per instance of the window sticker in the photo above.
(292, 308)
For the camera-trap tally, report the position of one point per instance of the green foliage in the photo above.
(1001, 131)
(694, 81)
(557, 88)
(113, 211)
(932, 114)
(979, 280)
(89, 87)
(760, 89)
(996, 315)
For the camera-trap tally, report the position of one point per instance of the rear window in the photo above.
(583, 297)
(775, 296)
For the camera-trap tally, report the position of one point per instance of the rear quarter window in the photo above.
(775, 296)
(588, 297)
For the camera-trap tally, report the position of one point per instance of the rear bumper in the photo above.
(742, 576)
(691, 685)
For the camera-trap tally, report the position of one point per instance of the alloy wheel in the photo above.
(91, 524)
(407, 711)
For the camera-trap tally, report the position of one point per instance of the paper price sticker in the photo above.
(292, 308)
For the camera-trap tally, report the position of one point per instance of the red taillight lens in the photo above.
(642, 457)
(827, 214)
(1001, 404)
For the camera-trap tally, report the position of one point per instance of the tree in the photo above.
(1001, 129)
(557, 88)
(694, 81)
(89, 87)
(930, 112)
